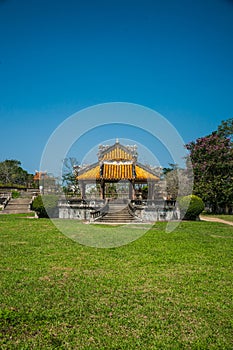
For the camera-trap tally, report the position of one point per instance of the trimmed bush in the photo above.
(15, 194)
(191, 207)
(45, 206)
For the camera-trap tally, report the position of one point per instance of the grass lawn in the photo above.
(162, 291)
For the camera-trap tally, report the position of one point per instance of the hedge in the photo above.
(45, 206)
(191, 207)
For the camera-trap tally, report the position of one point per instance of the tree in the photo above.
(171, 181)
(178, 181)
(11, 173)
(225, 129)
(69, 175)
(172, 167)
(212, 161)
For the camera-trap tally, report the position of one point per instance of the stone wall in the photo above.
(152, 214)
(145, 214)
(74, 213)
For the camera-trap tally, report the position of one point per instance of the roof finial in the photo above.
(117, 140)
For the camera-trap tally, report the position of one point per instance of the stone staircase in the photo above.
(18, 205)
(117, 213)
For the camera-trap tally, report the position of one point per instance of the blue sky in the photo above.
(58, 57)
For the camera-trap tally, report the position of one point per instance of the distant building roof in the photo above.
(39, 175)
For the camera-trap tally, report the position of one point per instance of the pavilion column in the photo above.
(132, 185)
(151, 191)
(102, 187)
(131, 190)
(82, 189)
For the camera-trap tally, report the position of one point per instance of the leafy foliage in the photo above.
(69, 175)
(225, 129)
(15, 194)
(178, 181)
(11, 173)
(45, 206)
(191, 207)
(212, 161)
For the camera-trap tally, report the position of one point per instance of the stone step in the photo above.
(29, 194)
(111, 217)
(117, 213)
(103, 220)
(16, 211)
(17, 206)
(116, 208)
(19, 201)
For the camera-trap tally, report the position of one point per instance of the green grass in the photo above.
(30, 214)
(99, 235)
(162, 291)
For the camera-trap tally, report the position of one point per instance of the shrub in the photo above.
(15, 194)
(191, 207)
(45, 206)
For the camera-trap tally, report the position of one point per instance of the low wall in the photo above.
(157, 214)
(77, 209)
(145, 214)
(74, 213)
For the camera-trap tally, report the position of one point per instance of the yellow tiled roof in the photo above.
(117, 154)
(117, 172)
(142, 174)
(91, 174)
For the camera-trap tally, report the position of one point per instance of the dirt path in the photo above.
(207, 218)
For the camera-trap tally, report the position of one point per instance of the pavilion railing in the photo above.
(132, 210)
(5, 198)
(95, 214)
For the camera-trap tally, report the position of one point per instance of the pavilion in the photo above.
(117, 163)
